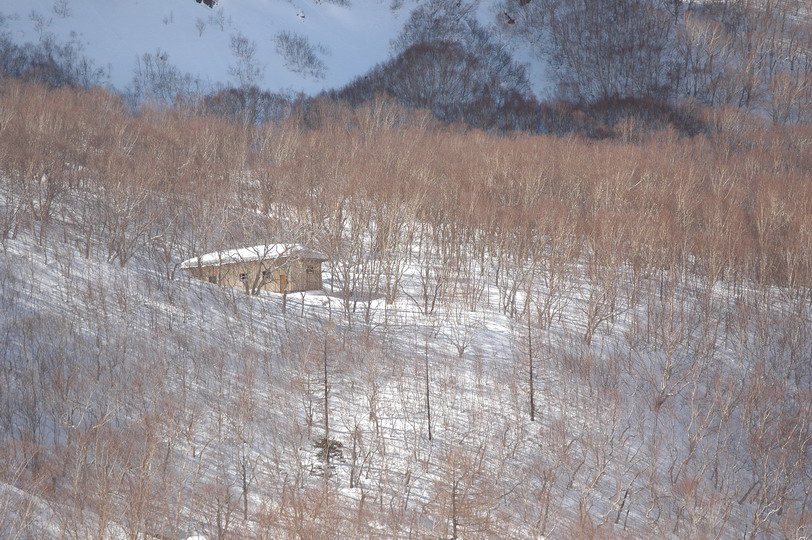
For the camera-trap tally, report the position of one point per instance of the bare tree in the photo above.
(247, 70)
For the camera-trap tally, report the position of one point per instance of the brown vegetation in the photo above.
(696, 420)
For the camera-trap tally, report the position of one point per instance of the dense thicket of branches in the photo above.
(49, 62)
(654, 60)
(750, 54)
(700, 249)
(446, 62)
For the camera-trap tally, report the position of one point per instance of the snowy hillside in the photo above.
(541, 320)
(197, 39)
(520, 337)
(297, 45)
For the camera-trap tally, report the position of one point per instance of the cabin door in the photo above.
(283, 283)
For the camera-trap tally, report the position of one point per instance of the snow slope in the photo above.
(196, 39)
(232, 385)
(346, 39)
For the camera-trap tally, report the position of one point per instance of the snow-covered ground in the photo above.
(225, 393)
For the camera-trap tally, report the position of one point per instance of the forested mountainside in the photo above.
(567, 289)
(544, 66)
(519, 336)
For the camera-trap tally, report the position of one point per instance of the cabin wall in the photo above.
(296, 276)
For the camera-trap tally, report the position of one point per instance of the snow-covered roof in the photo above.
(262, 252)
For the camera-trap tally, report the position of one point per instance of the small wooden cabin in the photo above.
(267, 267)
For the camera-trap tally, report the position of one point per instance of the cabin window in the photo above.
(244, 276)
(267, 274)
(213, 279)
(309, 269)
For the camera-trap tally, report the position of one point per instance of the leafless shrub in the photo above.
(247, 70)
(159, 81)
(62, 8)
(300, 55)
(218, 18)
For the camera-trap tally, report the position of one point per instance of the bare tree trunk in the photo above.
(454, 520)
(428, 395)
(326, 411)
(531, 378)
